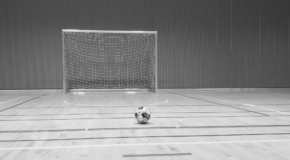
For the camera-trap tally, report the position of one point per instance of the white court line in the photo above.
(77, 104)
(146, 144)
(250, 105)
(11, 100)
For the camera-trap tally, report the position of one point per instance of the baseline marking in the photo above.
(146, 144)
(11, 100)
(250, 105)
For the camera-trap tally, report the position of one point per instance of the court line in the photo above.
(274, 104)
(250, 105)
(120, 106)
(149, 144)
(31, 115)
(220, 104)
(153, 155)
(137, 137)
(143, 128)
(69, 119)
(23, 102)
(11, 100)
(114, 105)
(24, 115)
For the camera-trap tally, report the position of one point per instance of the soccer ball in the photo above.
(142, 115)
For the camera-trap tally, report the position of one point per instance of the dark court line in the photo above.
(69, 119)
(31, 115)
(273, 104)
(152, 155)
(220, 104)
(24, 102)
(136, 137)
(117, 106)
(13, 115)
(144, 128)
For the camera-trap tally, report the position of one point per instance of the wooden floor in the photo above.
(225, 124)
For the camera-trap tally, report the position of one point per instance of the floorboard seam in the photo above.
(129, 137)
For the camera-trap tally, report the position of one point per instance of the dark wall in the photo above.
(201, 43)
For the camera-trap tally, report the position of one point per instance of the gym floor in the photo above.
(185, 124)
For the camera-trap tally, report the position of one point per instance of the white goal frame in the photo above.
(106, 31)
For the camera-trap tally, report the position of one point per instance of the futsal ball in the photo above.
(142, 115)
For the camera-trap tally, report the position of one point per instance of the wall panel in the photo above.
(201, 43)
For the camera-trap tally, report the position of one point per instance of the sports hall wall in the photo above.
(201, 43)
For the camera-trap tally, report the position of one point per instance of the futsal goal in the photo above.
(109, 60)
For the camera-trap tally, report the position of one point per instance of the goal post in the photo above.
(109, 60)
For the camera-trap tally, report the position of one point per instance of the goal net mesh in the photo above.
(98, 60)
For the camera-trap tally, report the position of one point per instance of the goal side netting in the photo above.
(109, 60)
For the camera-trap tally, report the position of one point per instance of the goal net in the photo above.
(109, 60)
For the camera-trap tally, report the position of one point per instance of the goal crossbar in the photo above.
(106, 31)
